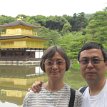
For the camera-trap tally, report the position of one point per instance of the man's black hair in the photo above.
(93, 45)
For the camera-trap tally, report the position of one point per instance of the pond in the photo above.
(15, 81)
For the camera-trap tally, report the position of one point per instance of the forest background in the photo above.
(70, 32)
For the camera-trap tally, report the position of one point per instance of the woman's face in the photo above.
(55, 67)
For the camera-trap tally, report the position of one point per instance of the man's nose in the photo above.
(90, 63)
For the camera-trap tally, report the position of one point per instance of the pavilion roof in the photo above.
(18, 22)
(20, 37)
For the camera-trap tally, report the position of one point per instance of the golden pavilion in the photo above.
(19, 43)
(19, 46)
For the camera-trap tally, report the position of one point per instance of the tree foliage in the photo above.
(72, 42)
(6, 19)
(97, 27)
(79, 22)
(71, 32)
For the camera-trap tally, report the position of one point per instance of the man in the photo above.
(93, 62)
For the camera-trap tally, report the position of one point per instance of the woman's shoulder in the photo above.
(78, 99)
(78, 96)
(29, 93)
(78, 93)
(67, 86)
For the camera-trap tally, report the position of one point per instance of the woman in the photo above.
(54, 93)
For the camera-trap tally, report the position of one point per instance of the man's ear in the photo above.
(106, 63)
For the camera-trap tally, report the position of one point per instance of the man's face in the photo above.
(92, 65)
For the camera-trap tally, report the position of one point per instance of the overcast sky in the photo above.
(50, 7)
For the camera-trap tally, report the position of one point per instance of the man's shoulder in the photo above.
(82, 89)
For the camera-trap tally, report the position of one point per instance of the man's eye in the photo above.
(96, 60)
(84, 61)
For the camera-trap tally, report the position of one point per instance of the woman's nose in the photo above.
(55, 65)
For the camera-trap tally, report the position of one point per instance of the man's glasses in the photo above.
(85, 61)
(57, 62)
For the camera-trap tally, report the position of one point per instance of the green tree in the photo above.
(79, 21)
(6, 19)
(49, 34)
(72, 42)
(55, 23)
(97, 27)
(66, 28)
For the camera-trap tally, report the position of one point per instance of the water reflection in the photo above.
(6, 104)
(38, 71)
(14, 82)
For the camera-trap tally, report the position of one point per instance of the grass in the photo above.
(73, 76)
(74, 79)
